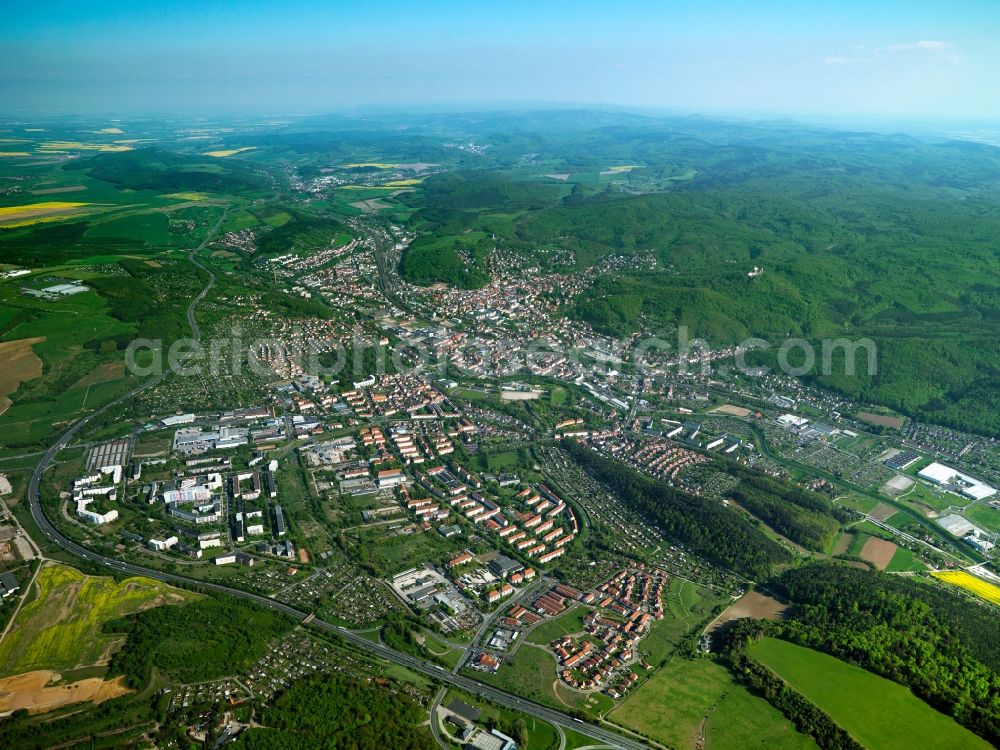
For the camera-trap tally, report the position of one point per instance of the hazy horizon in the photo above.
(880, 60)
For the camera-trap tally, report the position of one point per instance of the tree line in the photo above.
(942, 648)
(805, 715)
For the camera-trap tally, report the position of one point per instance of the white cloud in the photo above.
(927, 45)
(843, 60)
(930, 49)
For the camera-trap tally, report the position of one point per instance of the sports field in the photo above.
(979, 587)
(877, 712)
(62, 627)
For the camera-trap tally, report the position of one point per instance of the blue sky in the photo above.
(898, 59)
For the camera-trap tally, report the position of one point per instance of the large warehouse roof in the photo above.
(966, 485)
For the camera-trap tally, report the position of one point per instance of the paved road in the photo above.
(195, 330)
(384, 652)
(468, 684)
(490, 618)
(435, 727)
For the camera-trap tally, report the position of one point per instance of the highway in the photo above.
(435, 672)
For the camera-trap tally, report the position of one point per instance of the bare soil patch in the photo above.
(897, 485)
(64, 189)
(36, 692)
(102, 374)
(371, 206)
(883, 420)
(736, 411)
(878, 552)
(752, 604)
(20, 363)
(882, 511)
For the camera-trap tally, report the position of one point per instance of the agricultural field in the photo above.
(706, 707)
(879, 552)
(983, 589)
(58, 369)
(905, 561)
(35, 213)
(61, 628)
(20, 364)
(222, 153)
(877, 712)
(752, 604)
(123, 233)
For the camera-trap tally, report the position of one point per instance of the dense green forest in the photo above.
(945, 650)
(198, 641)
(804, 517)
(157, 169)
(50, 244)
(301, 233)
(154, 298)
(332, 712)
(459, 263)
(723, 536)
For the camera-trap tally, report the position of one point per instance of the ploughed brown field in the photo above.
(878, 552)
(883, 420)
(20, 363)
(753, 604)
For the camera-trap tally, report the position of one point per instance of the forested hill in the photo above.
(330, 711)
(860, 235)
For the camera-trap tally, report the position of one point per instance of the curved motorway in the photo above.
(467, 684)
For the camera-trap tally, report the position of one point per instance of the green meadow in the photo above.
(877, 712)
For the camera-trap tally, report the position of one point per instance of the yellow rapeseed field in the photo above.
(186, 196)
(979, 587)
(34, 213)
(43, 206)
(63, 626)
(56, 147)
